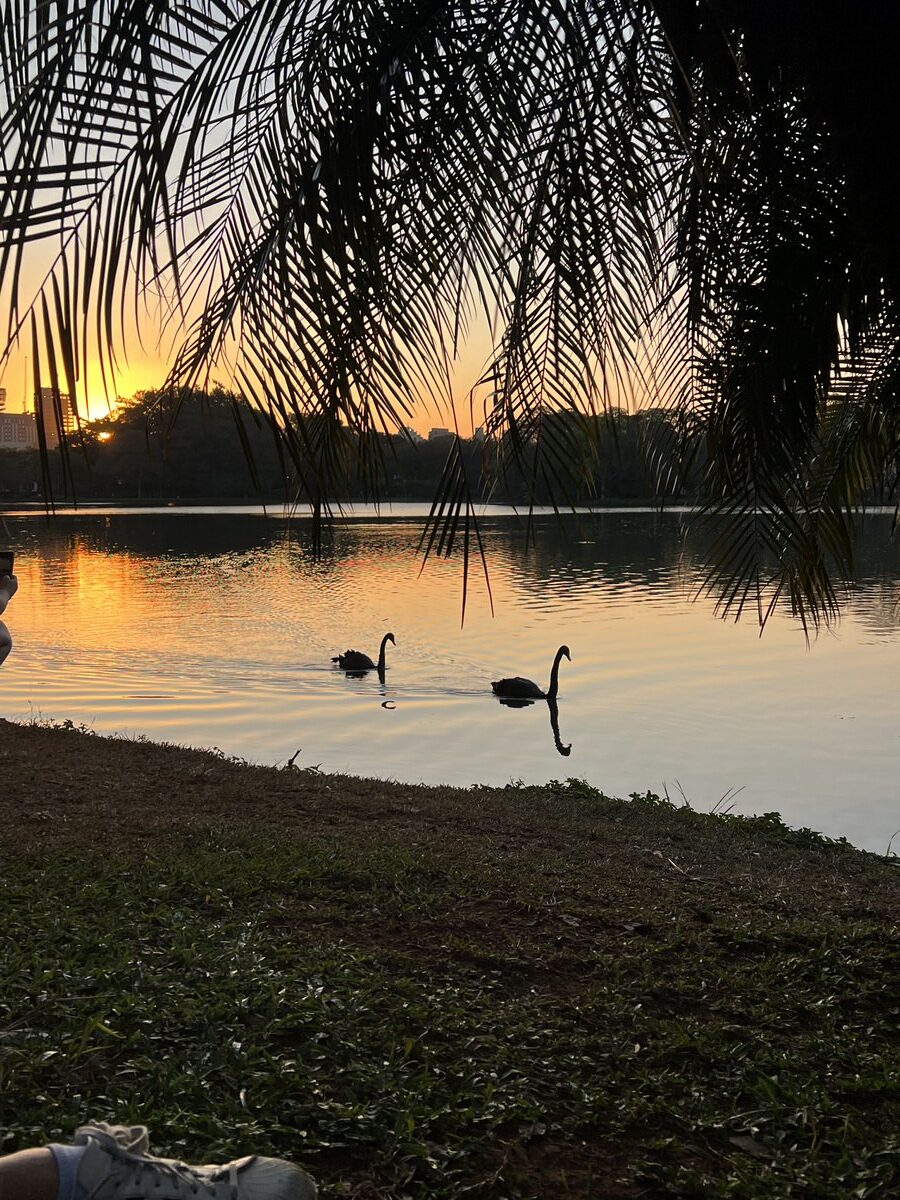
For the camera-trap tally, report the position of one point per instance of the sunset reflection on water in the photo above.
(219, 630)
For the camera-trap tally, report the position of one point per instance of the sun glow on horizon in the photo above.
(143, 368)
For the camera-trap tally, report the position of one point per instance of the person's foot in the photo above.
(116, 1165)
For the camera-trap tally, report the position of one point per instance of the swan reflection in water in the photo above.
(519, 702)
(364, 675)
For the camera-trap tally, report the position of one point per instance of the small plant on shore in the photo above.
(64, 726)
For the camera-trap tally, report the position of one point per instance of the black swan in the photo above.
(355, 660)
(518, 688)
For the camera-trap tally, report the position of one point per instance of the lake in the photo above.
(215, 628)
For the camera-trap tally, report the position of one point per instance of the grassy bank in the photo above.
(437, 992)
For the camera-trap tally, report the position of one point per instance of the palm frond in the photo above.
(647, 201)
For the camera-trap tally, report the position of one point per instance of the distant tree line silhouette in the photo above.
(215, 445)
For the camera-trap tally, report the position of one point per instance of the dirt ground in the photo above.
(66, 789)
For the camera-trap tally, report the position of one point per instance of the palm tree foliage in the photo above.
(664, 200)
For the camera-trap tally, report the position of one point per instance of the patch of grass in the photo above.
(421, 993)
(207, 994)
(771, 823)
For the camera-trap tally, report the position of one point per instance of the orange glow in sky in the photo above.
(140, 372)
(144, 370)
(143, 364)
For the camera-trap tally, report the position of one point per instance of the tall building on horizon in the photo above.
(56, 412)
(2, 400)
(18, 431)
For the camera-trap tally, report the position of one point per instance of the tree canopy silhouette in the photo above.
(682, 202)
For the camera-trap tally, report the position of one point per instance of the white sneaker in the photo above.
(133, 1138)
(116, 1166)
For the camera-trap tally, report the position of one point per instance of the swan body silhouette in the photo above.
(518, 688)
(355, 660)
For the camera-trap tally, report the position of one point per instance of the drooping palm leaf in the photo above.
(647, 200)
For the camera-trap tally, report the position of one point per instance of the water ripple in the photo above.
(218, 630)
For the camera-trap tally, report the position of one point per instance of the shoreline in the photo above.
(360, 509)
(574, 789)
(350, 511)
(516, 991)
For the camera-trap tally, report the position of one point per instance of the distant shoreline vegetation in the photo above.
(145, 451)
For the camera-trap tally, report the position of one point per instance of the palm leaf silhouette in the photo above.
(647, 201)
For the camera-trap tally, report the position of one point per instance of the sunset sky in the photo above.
(146, 367)
(144, 360)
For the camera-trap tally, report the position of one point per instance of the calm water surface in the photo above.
(217, 630)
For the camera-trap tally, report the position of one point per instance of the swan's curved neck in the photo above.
(554, 676)
(384, 642)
